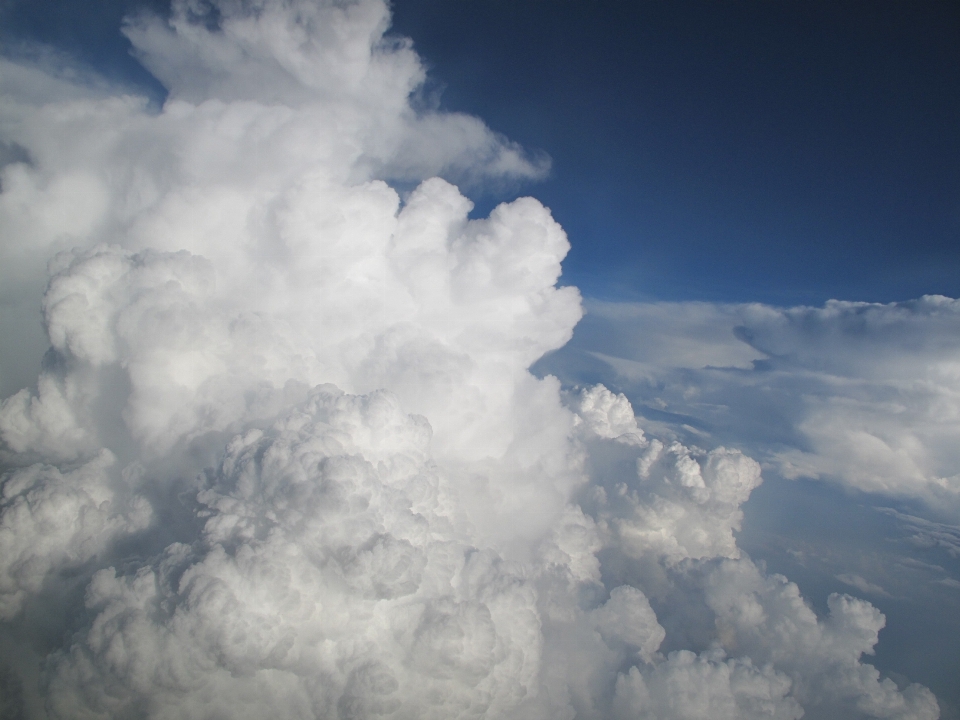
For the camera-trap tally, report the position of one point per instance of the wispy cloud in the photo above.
(864, 586)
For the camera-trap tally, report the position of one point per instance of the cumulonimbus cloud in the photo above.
(285, 456)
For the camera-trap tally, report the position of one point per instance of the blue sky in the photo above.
(783, 152)
(723, 171)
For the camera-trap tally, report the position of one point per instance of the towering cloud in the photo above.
(285, 456)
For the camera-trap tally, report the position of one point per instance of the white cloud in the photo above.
(284, 455)
(326, 576)
(861, 584)
(55, 520)
(766, 618)
(689, 686)
(867, 395)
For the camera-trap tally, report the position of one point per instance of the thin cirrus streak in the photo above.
(284, 455)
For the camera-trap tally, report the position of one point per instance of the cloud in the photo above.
(862, 394)
(325, 577)
(667, 500)
(53, 519)
(284, 454)
(823, 656)
(861, 584)
(928, 534)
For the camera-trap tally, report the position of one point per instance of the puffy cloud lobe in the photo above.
(770, 655)
(688, 686)
(670, 500)
(330, 56)
(767, 619)
(628, 618)
(420, 341)
(101, 168)
(695, 507)
(286, 437)
(324, 571)
(139, 323)
(53, 520)
(359, 310)
(46, 422)
(609, 416)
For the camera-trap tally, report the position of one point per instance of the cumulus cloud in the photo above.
(284, 455)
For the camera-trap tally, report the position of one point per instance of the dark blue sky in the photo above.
(776, 151)
(779, 151)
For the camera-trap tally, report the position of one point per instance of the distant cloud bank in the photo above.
(862, 394)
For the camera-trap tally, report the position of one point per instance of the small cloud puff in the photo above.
(861, 584)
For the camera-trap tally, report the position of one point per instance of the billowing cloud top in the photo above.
(284, 455)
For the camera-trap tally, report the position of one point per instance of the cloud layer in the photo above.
(285, 455)
(863, 394)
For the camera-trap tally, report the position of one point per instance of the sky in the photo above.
(787, 152)
(492, 359)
